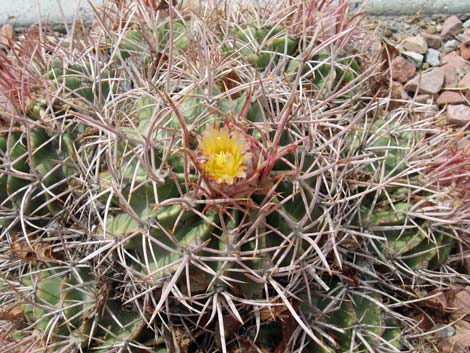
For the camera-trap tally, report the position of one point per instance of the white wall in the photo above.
(411, 7)
(52, 11)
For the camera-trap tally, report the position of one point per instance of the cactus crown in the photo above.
(225, 154)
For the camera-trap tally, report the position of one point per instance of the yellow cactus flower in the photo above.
(225, 154)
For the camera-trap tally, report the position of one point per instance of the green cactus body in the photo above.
(44, 160)
(60, 302)
(324, 71)
(388, 143)
(262, 45)
(118, 326)
(393, 215)
(42, 199)
(3, 177)
(167, 195)
(392, 333)
(16, 187)
(348, 313)
(132, 44)
(182, 41)
(78, 81)
(407, 239)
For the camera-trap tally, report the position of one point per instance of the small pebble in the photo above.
(422, 24)
(432, 57)
(388, 32)
(59, 27)
(431, 29)
(394, 26)
(444, 331)
(466, 24)
(406, 26)
(416, 58)
(438, 27)
(451, 45)
(425, 66)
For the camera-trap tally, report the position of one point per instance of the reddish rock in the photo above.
(402, 69)
(451, 27)
(466, 37)
(416, 44)
(458, 114)
(433, 40)
(450, 97)
(430, 82)
(455, 60)
(464, 51)
(451, 77)
(7, 35)
(465, 82)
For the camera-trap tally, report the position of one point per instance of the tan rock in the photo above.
(416, 44)
(424, 98)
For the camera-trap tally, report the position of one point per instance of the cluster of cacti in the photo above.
(177, 176)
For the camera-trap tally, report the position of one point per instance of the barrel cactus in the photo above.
(195, 182)
(396, 212)
(356, 321)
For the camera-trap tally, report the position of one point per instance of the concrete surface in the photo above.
(56, 11)
(25, 12)
(411, 7)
